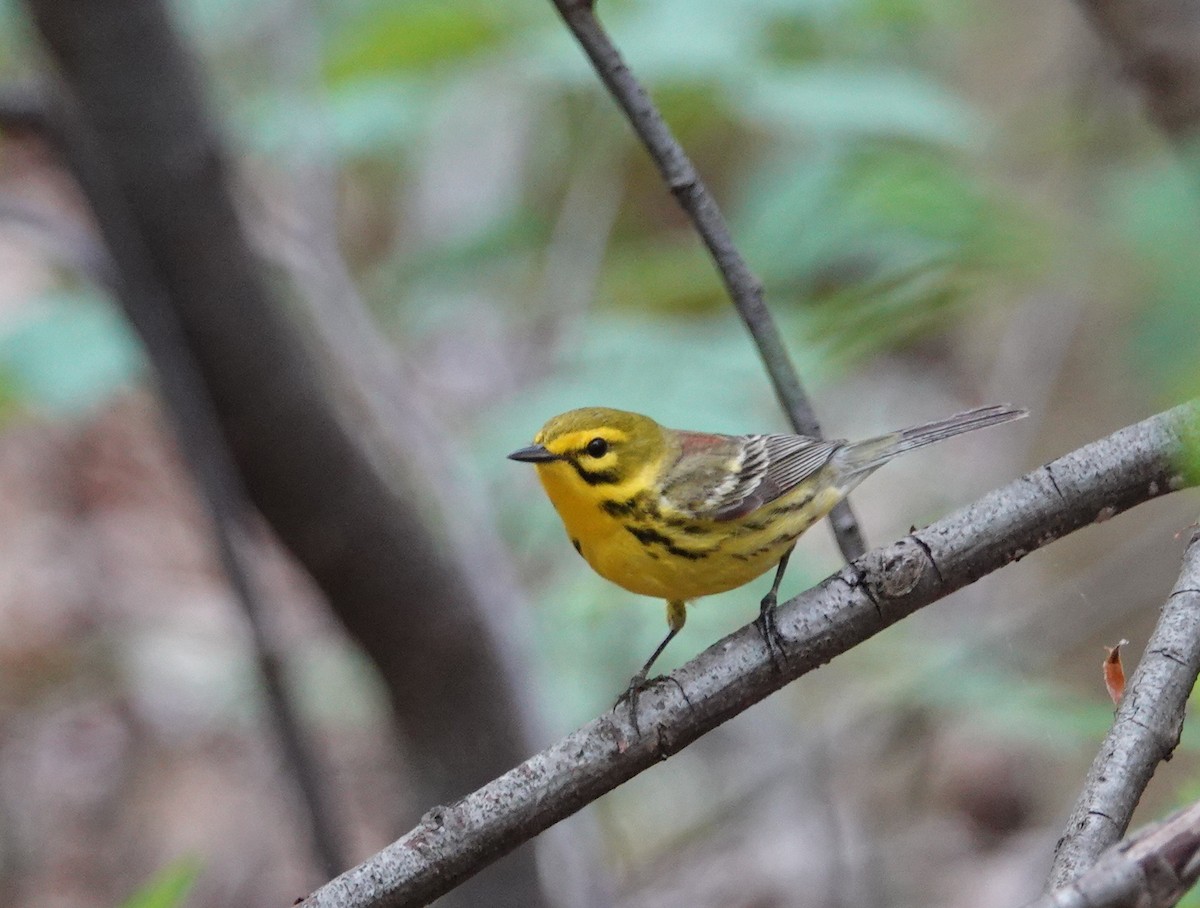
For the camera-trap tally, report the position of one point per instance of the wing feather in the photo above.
(724, 477)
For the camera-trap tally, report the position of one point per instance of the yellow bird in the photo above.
(679, 515)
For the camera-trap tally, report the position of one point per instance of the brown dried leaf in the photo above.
(1114, 672)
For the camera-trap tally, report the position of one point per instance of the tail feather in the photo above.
(867, 456)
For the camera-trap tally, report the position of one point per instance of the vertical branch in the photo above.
(680, 175)
(1145, 732)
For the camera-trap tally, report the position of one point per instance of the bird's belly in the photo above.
(664, 561)
(641, 569)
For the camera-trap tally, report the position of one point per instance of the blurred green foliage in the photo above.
(1155, 211)
(168, 889)
(67, 352)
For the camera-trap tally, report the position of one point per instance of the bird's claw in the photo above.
(769, 631)
(637, 684)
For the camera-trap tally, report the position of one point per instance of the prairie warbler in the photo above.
(678, 515)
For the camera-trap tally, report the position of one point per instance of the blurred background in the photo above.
(950, 204)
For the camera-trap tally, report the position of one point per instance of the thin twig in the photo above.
(681, 177)
(1093, 483)
(1154, 868)
(1146, 730)
(200, 439)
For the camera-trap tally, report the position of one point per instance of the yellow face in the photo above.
(594, 447)
(591, 456)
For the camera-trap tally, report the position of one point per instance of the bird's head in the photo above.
(596, 445)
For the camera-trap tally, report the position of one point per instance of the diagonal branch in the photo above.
(1154, 868)
(1145, 732)
(744, 288)
(1094, 483)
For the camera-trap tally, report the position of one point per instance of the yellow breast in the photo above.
(631, 537)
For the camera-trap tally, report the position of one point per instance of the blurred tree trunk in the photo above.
(1158, 44)
(163, 204)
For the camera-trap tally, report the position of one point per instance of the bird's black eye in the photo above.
(597, 447)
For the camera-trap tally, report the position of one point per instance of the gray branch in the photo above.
(1091, 484)
(1145, 732)
(744, 288)
(1152, 869)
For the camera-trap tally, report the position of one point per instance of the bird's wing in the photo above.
(723, 477)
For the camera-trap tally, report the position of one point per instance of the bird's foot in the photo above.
(637, 684)
(769, 631)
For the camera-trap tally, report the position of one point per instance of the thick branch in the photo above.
(166, 212)
(744, 288)
(1093, 483)
(1152, 869)
(1145, 732)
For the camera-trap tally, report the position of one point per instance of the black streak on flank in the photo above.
(684, 524)
(625, 508)
(772, 545)
(793, 506)
(648, 536)
(578, 547)
(639, 505)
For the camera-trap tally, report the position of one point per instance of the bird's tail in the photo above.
(863, 457)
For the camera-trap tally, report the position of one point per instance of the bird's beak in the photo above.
(533, 454)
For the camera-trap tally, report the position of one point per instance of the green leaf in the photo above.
(1154, 210)
(357, 117)
(826, 101)
(72, 352)
(168, 888)
(412, 36)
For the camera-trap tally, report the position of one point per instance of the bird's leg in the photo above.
(766, 613)
(676, 617)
